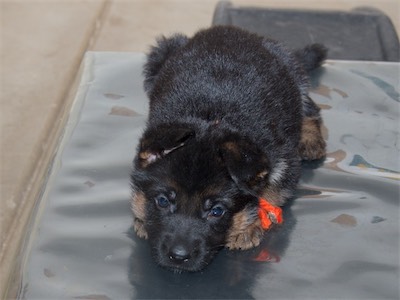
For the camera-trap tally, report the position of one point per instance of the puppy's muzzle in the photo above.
(183, 245)
(180, 253)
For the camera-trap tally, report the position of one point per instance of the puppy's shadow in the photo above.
(231, 275)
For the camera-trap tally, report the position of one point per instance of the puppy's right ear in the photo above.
(158, 56)
(247, 165)
(160, 141)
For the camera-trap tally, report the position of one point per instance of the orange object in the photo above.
(269, 214)
(266, 256)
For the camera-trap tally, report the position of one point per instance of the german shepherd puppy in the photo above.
(230, 121)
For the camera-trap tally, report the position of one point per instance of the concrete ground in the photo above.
(42, 44)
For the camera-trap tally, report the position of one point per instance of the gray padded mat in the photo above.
(340, 238)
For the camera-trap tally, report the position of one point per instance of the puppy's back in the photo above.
(221, 72)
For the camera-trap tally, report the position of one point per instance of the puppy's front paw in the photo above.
(248, 238)
(138, 225)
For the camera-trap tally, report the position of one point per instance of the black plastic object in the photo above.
(361, 34)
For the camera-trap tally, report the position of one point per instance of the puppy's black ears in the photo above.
(247, 165)
(158, 142)
(158, 55)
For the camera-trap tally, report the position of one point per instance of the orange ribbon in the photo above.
(269, 214)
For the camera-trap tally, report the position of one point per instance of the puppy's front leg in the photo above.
(138, 225)
(246, 231)
(138, 208)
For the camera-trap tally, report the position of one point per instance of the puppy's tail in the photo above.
(312, 56)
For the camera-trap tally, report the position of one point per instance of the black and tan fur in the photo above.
(230, 121)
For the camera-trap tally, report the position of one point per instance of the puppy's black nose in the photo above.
(179, 254)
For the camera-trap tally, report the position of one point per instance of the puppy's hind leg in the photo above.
(299, 63)
(312, 144)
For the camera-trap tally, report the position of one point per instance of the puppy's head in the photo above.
(188, 189)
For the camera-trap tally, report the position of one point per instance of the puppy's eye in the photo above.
(162, 201)
(217, 212)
